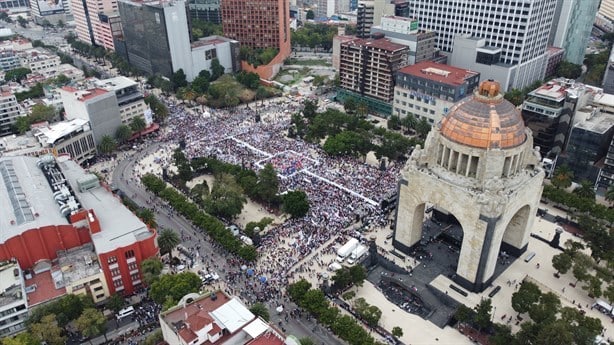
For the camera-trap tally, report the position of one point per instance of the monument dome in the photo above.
(485, 120)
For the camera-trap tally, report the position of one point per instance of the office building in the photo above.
(589, 142)
(97, 106)
(93, 21)
(156, 37)
(10, 110)
(366, 71)
(216, 318)
(572, 27)
(427, 90)
(549, 112)
(9, 60)
(11, 6)
(13, 299)
(206, 10)
(606, 175)
(555, 57)
(608, 76)
(40, 62)
(405, 31)
(71, 137)
(50, 10)
(53, 206)
(515, 35)
(259, 25)
(325, 9)
(606, 10)
(364, 19)
(130, 99)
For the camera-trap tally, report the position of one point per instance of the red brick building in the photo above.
(52, 205)
(259, 24)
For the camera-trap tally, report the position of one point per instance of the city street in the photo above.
(121, 179)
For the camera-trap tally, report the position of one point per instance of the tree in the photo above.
(178, 79)
(581, 264)
(46, 24)
(503, 335)
(397, 332)
(172, 287)
(423, 127)
(60, 24)
(20, 339)
(123, 133)
(341, 279)
(409, 122)
(167, 241)
(22, 124)
(297, 290)
(107, 145)
(201, 84)
(310, 108)
(515, 96)
(525, 297)
(92, 323)
(151, 269)
(48, 330)
(482, 314)
(154, 338)
(41, 112)
(217, 70)
(358, 274)
(585, 190)
(554, 333)
(261, 93)
(310, 15)
(226, 199)
(594, 287)
(394, 122)
(137, 124)
(116, 302)
(17, 74)
(569, 70)
(295, 203)
(350, 105)
(306, 341)
(22, 21)
(268, 184)
(562, 177)
(545, 311)
(463, 314)
(609, 194)
(148, 217)
(561, 262)
(261, 310)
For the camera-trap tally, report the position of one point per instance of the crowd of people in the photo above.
(339, 189)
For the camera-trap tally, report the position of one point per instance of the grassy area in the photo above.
(292, 61)
(297, 77)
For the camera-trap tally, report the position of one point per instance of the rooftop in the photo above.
(41, 288)
(119, 226)
(600, 123)
(211, 40)
(379, 43)
(12, 287)
(551, 90)
(78, 263)
(48, 135)
(604, 99)
(440, 73)
(114, 84)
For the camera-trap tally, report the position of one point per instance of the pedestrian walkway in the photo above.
(370, 201)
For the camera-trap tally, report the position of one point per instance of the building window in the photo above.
(130, 254)
(112, 259)
(133, 266)
(210, 54)
(115, 272)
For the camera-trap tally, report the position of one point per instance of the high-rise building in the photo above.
(366, 71)
(206, 10)
(517, 29)
(52, 11)
(608, 76)
(405, 31)
(573, 27)
(12, 6)
(606, 9)
(428, 90)
(156, 34)
(259, 24)
(364, 19)
(549, 112)
(10, 110)
(92, 22)
(325, 8)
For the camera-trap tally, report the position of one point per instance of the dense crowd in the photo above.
(341, 191)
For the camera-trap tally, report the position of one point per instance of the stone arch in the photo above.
(515, 231)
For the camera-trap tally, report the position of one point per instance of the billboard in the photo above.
(47, 7)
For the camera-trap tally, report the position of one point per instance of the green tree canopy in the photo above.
(174, 287)
(268, 184)
(562, 177)
(569, 70)
(41, 112)
(585, 190)
(48, 330)
(259, 309)
(123, 133)
(562, 262)
(226, 199)
(483, 313)
(107, 144)
(523, 299)
(151, 269)
(397, 332)
(137, 124)
(92, 323)
(167, 241)
(116, 302)
(295, 203)
(17, 74)
(178, 79)
(217, 70)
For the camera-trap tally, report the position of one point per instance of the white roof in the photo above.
(256, 328)
(604, 99)
(116, 83)
(232, 315)
(50, 134)
(120, 227)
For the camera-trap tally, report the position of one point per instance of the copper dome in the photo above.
(485, 120)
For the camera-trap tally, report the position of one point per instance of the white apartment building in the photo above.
(9, 111)
(73, 137)
(129, 99)
(518, 29)
(13, 299)
(39, 62)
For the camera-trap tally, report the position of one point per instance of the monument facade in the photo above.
(479, 164)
